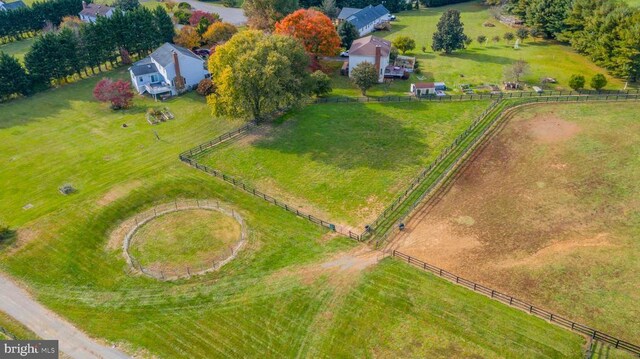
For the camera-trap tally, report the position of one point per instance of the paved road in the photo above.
(228, 14)
(16, 302)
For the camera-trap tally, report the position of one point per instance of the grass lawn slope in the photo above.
(344, 162)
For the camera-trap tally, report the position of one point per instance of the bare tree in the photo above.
(517, 70)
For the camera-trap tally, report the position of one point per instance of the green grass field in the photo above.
(283, 296)
(14, 328)
(345, 162)
(479, 64)
(187, 238)
(17, 48)
(635, 3)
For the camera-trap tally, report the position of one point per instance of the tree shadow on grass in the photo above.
(481, 57)
(347, 136)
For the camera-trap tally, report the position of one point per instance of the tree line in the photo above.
(607, 31)
(22, 22)
(81, 49)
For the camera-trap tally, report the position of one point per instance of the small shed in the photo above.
(423, 88)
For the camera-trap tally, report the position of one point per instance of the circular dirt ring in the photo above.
(183, 238)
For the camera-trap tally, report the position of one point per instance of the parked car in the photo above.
(344, 54)
(440, 93)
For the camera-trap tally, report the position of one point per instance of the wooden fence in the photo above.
(520, 304)
(460, 154)
(488, 96)
(188, 157)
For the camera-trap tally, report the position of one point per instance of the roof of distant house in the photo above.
(13, 5)
(425, 85)
(164, 54)
(366, 46)
(94, 10)
(367, 15)
(143, 67)
(346, 12)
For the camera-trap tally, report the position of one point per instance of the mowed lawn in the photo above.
(549, 212)
(344, 162)
(478, 64)
(10, 327)
(17, 48)
(277, 299)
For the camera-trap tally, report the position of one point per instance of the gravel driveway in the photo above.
(16, 302)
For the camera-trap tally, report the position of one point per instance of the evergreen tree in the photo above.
(127, 5)
(548, 16)
(449, 35)
(347, 32)
(164, 25)
(13, 77)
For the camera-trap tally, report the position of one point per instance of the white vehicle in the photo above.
(344, 54)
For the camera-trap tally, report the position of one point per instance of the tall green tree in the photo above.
(449, 35)
(347, 32)
(13, 77)
(548, 16)
(164, 25)
(257, 74)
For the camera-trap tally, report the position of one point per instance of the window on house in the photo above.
(154, 78)
(140, 79)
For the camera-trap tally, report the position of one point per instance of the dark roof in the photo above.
(164, 54)
(366, 46)
(367, 15)
(14, 5)
(143, 67)
(346, 12)
(95, 10)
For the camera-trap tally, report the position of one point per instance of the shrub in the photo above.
(118, 93)
(5, 232)
(206, 87)
(320, 83)
(598, 81)
(230, 3)
(576, 82)
(184, 5)
(182, 16)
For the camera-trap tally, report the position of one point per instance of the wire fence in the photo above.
(520, 304)
(471, 97)
(459, 151)
(174, 272)
(189, 158)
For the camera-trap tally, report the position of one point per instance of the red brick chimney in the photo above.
(378, 58)
(179, 81)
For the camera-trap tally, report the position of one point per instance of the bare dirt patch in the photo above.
(547, 211)
(550, 129)
(118, 192)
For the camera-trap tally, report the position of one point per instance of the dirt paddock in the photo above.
(541, 210)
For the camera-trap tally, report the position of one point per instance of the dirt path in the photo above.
(16, 302)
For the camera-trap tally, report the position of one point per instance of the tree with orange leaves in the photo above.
(314, 29)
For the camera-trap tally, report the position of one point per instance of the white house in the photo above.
(170, 69)
(365, 20)
(373, 50)
(12, 5)
(427, 88)
(91, 12)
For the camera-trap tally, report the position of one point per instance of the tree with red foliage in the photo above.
(118, 93)
(198, 15)
(314, 29)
